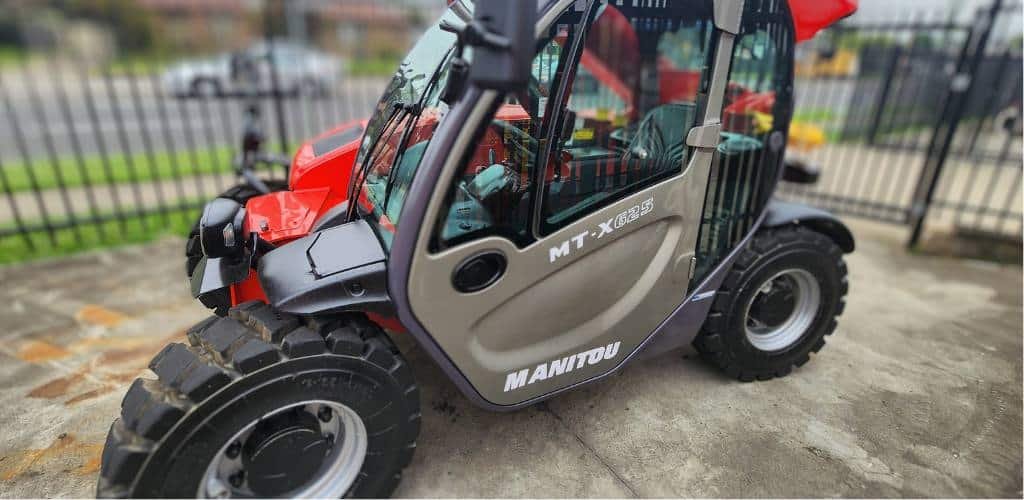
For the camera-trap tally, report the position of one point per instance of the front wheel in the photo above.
(262, 404)
(777, 305)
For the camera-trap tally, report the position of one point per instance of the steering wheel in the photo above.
(522, 141)
(648, 141)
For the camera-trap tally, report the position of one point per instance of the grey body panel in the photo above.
(615, 290)
(665, 260)
(606, 291)
(335, 270)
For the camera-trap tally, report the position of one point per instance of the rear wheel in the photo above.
(262, 404)
(777, 305)
(194, 249)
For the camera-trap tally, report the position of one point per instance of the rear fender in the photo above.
(782, 213)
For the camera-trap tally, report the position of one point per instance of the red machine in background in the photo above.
(812, 16)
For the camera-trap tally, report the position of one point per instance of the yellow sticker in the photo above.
(602, 114)
(583, 134)
(763, 122)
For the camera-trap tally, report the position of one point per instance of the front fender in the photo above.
(213, 275)
(784, 213)
(340, 269)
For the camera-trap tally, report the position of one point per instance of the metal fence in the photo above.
(912, 121)
(120, 146)
(923, 125)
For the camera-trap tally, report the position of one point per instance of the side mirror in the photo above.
(798, 172)
(502, 37)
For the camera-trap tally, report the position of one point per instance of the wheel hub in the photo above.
(774, 306)
(284, 452)
(313, 449)
(782, 310)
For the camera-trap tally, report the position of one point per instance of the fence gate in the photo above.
(921, 121)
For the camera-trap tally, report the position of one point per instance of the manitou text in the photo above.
(544, 371)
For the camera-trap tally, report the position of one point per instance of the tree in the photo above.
(133, 26)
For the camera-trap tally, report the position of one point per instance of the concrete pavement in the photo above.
(918, 394)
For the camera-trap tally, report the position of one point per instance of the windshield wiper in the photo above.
(417, 111)
(399, 110)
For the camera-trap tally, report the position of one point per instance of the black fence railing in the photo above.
(921, 121)
(911, 121)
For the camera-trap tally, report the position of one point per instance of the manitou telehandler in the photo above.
(547, 190)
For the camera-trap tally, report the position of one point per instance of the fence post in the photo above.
(961, 85)
(276, 95)
(883, 97)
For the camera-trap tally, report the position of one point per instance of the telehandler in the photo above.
(546, 191)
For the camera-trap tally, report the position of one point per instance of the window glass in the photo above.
(755, 117)
(631, 106)
(492, 194)
(402, 126)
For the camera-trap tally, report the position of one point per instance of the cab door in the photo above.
(565, 235)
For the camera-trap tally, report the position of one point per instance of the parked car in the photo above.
(300, 70)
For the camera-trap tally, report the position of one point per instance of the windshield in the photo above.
(403, 122)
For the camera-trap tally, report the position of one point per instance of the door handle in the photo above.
(479, 272)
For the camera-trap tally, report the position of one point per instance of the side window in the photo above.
(631, 106)
(755, 117)
(493, 193)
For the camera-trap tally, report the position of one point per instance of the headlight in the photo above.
(220, 229)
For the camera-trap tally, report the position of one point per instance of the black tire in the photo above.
(723, 340)
(194, 249)
(240, 368)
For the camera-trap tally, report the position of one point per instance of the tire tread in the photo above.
(711, 343)
(252, 337)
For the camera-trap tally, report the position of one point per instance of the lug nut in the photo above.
(324, 414)
(237, 479)
(233, 450)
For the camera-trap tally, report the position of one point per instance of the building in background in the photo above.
(203, 25)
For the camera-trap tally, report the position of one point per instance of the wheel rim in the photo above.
(234, 470)
(782, 310)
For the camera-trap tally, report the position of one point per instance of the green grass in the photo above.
(118, 169)
(9, 55)
(814, 115)
(13, 56)
(93, 236)
(137, 65)
(374, 66)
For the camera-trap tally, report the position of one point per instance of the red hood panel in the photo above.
(284, 215)
(327, 159)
